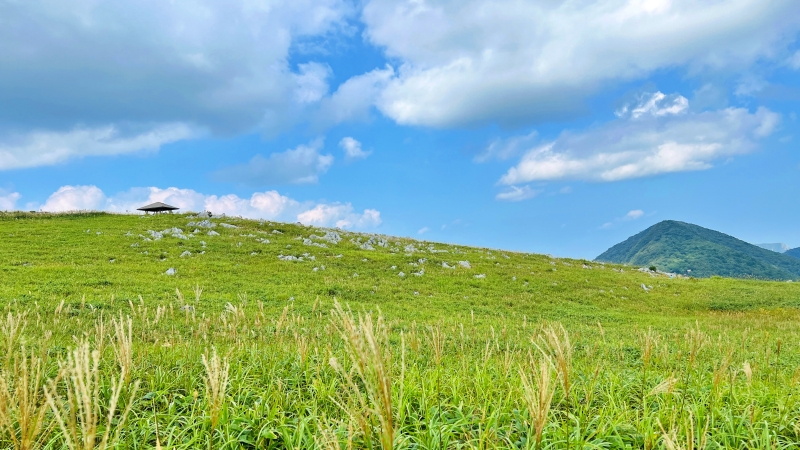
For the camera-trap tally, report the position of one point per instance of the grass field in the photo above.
(243, 347)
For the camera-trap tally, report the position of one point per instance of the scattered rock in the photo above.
(171, 271)
(212, 233)
(465, 264)
(480, 275)
(186, 253)
(227, 225)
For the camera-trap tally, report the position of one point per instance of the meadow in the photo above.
(184, 332)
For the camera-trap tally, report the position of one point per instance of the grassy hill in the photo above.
(795, 252)
(674, 246)
(253, 334)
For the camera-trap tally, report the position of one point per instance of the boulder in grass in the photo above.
(227, 225)
(186, 253)
(465, 264)
(171, 271)
(480, 276)
(212, 233)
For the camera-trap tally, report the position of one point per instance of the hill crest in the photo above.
(686, 248)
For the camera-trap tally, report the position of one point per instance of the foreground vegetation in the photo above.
(241, 349)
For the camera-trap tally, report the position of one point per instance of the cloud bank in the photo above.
(269, 205)
(98, 78)
(657, 135)
(474, 62)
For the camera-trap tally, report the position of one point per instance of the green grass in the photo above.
(644, 369)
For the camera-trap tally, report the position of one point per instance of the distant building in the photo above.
(157, 207)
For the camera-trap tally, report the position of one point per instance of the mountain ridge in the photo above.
(689, 249)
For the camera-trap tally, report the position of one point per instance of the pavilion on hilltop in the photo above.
(157, 207)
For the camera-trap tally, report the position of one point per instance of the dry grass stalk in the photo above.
(11, 330)
(22, 403)
(556, 345)
(748, 372)
(437, 343)
(78, 415)
(326, 438)
(538, 389)
(123, 345)
(665, 387)
(693, 442)
(217, 371)
(365, 341)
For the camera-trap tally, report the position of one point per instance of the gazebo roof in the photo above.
(157, 206)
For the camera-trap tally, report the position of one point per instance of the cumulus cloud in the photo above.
(260, 205)
(301, 165)
(653, 140)
(352, 149)
(631, 215)
(8, 200)
(341, 215)
(504, 61)
(44, 148)
(423, 230)
(517, 194)
(353, 99)
(83, 70)
(75, 198)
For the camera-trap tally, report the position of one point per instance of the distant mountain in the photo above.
(678, 247)
(795, 252)
(778, 248)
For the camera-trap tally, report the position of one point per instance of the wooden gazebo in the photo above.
(157, 207)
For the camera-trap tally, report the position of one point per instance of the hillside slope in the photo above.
(106, 260)
(678, 247)
(795, 252)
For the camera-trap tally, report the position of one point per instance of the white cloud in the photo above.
(635, 214)
(301, 165)
(517, 194)
(354, 98)
(352, 149)
(312, 82)
(794, 60)
(631, 215)
(656, 105)
(44, 148)
(82, 70)
(502, 149)
(477, 61)
(8, 200)
(75, 198)
(423, 230)
(260, 205)
(340, 215)
(653, 142)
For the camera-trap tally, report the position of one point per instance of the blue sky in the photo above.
(551, 127)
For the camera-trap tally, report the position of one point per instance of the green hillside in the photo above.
(795, 252)
(241, 334)
(684, 248)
